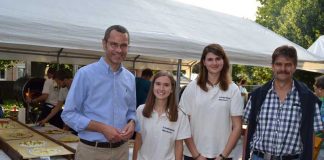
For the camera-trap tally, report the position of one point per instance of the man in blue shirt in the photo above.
(101, 102)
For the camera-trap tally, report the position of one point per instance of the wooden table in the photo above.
(12, 145)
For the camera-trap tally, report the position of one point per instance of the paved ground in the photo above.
(321, 155)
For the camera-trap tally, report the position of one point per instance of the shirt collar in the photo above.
(210, 86)
(155, 112)
(293, 88)
(107, 66)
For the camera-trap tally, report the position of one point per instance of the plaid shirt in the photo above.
(278, 124)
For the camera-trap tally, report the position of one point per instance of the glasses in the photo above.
(115, 45)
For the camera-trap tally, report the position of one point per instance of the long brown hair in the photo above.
(171, 108)
(224, 77)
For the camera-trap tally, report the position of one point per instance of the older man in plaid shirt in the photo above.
(282, 115)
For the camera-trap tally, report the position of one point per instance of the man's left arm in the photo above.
(132, 124)
(128, 130)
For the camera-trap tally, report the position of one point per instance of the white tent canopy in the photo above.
(317, 48)
(167, 30)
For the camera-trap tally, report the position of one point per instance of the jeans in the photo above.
(255, 157)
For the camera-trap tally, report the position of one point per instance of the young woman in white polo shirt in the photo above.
(214, 106)
(163, 124)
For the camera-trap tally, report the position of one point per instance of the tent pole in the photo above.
(58, 58)
(190, 66)
(178, 79)
(134, 62)
(28, 68)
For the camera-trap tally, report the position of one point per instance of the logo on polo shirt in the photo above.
(224, 98)
(168, 130)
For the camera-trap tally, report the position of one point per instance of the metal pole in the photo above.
(178, 79)
(58, 58)
(134, 62)
(75, 68)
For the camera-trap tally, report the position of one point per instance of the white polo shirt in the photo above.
(63, 94)
(159, 135)
(50, 87)
(210, 116)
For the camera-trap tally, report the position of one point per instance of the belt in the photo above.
(102, 144)
(268, 156)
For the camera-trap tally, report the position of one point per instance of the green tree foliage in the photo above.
(268, 13)
(61, 66)
(4, 64)
(260, 75)
(240, 72)
(254, 75)
(301, 21)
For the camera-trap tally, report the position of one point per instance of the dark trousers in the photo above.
(134, 135)
(56, 120)
(190, 158)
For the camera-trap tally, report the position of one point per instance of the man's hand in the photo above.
(66, 127)
(112, 134)
(128, 130)
(42, 122)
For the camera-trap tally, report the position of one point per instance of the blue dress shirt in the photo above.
(97, 93)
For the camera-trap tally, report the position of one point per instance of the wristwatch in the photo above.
(131, 120)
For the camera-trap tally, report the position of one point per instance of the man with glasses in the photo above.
(282, 115)
(101, 102)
